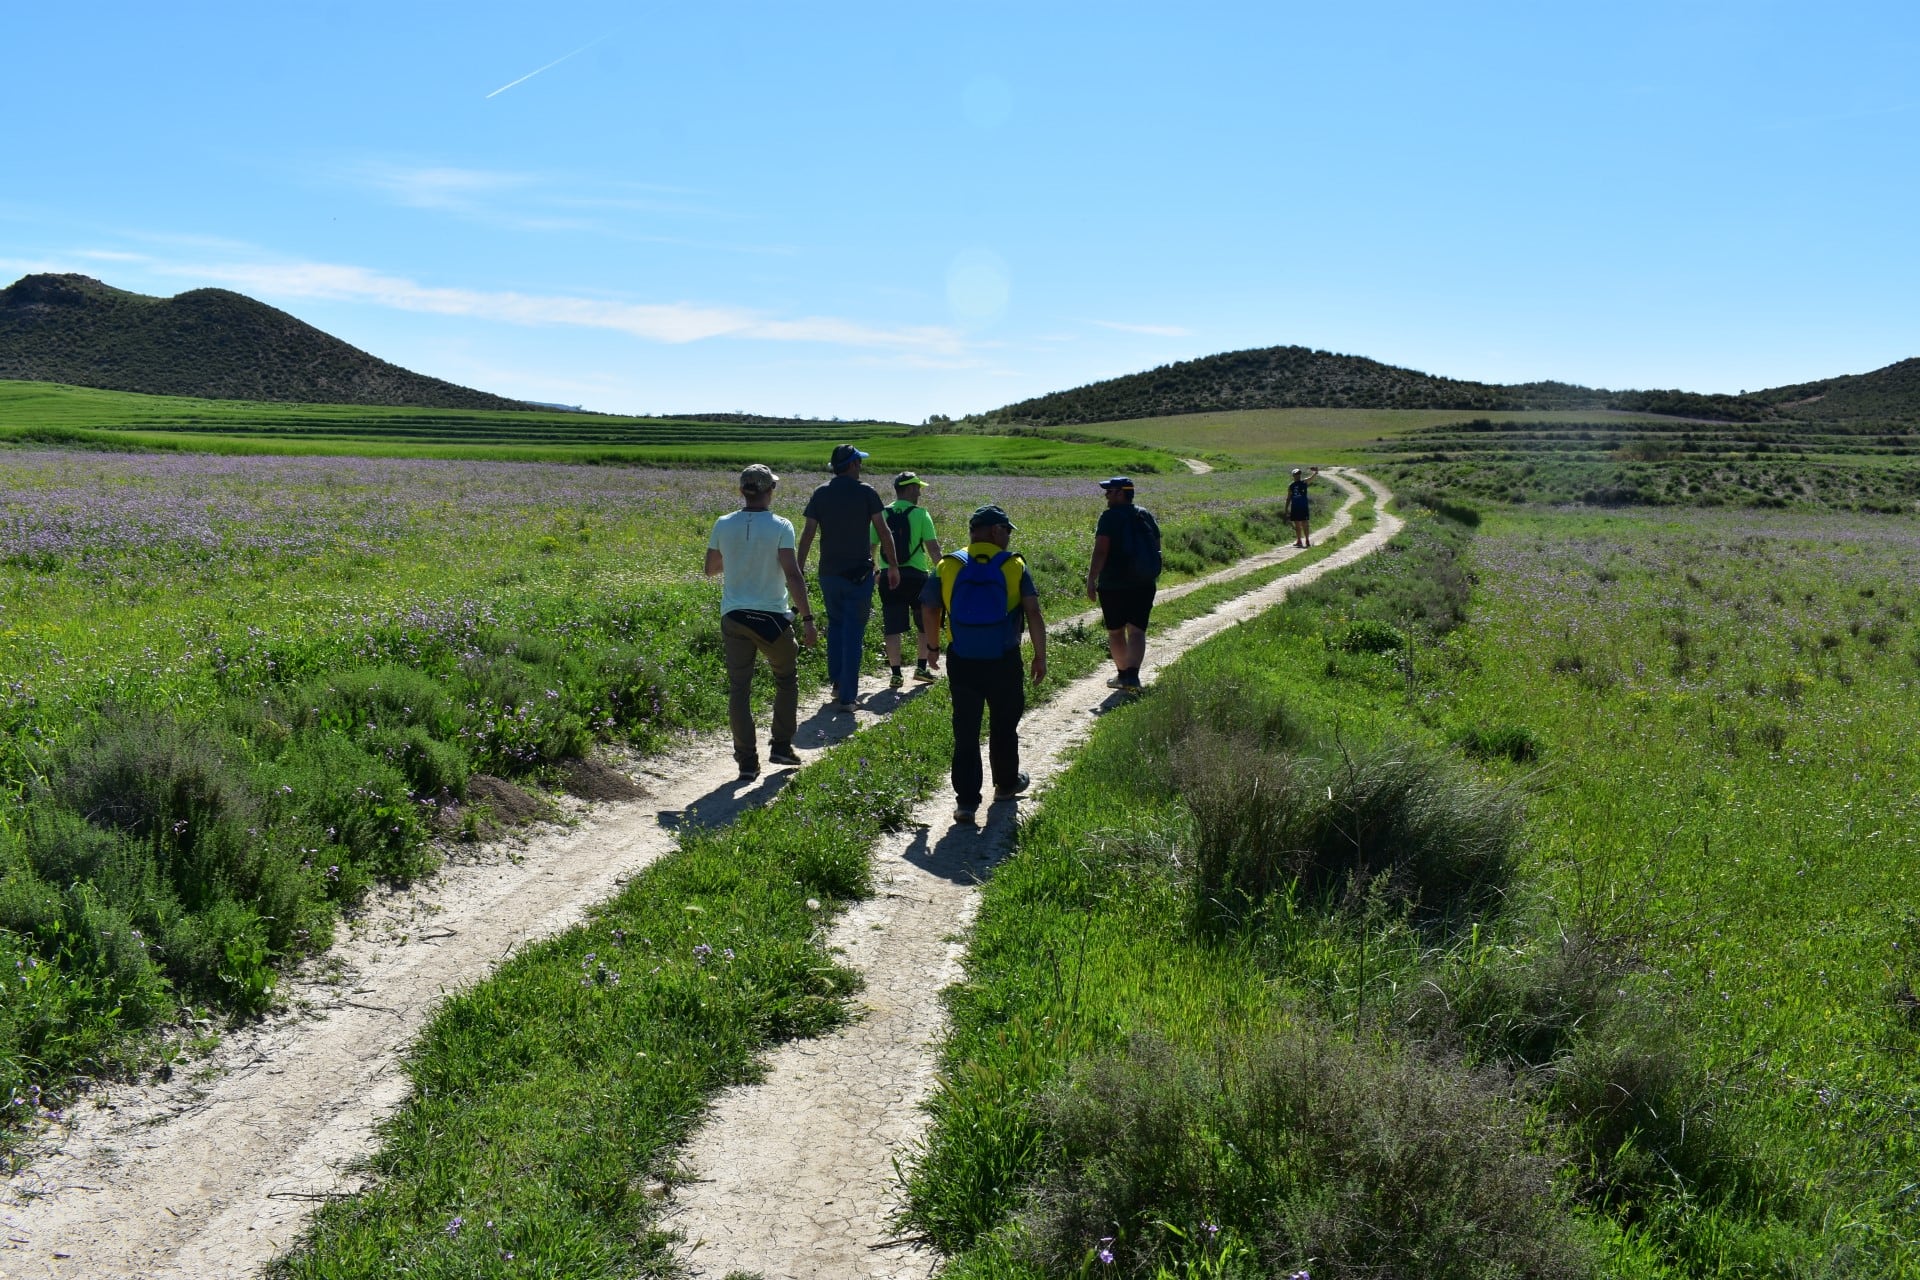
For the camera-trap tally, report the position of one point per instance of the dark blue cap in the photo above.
(844, 455)
(1118, 482)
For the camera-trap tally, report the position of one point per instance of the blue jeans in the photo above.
(849, 604)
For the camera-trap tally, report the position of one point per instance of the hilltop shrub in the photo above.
(1301, 1148)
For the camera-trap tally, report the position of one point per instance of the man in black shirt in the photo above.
(840, 512)
(1123, 577)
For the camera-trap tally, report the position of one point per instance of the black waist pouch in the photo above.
(858, 572)
(768, 626)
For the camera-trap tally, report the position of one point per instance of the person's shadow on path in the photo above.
(963, 854)
(727, 801)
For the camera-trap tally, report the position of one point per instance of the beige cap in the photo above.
(758, 478)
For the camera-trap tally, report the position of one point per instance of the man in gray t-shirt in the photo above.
(840, 512)
(760, 593)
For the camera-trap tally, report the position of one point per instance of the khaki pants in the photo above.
(742, 644)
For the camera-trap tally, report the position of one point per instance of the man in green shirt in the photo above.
(918, 548)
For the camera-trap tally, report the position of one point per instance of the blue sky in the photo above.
(903, 209)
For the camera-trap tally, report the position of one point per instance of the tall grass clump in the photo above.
(1393, 820)
(1288, 1150)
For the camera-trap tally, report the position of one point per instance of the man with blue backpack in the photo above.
(983, 595)
(1123, 576)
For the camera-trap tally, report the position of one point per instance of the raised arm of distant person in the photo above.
(888, 551)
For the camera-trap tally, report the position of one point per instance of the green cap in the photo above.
(904, 479)
(988, 516)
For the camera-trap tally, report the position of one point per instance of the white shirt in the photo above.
(749, 543)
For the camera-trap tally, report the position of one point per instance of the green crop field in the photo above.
(1295, 436)
(36, 412)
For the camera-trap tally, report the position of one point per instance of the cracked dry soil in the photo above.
(214, 1172)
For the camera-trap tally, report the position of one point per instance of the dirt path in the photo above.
(795, 1175)
(214, 1173)
(1198, 467)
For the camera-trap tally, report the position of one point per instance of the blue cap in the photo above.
(1118, 482)
(844, 455)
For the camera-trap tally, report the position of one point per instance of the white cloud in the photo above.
(672, 322)
(1153, 330)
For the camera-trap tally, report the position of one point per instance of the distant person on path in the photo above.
(918, 547)
(759, 593)
(1299, 506)
(840, 512)
(1124, 576)
(983, 594)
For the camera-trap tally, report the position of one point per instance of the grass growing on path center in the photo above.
(550, 1097)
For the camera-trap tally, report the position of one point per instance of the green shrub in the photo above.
(1398, 820)
(432, 768)
(1303, 1148)
(1499, 742)
(1367, 635)
(363, 804)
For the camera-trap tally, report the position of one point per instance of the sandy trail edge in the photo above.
(794, 1176)
(216, 1172)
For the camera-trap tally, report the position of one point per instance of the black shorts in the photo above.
(898, 605)
(1126, 606)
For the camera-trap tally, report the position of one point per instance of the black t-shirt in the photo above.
(1117, 527)
(844, 507)
(1297, 496)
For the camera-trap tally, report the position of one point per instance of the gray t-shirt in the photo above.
(749, 543)
(845, 508)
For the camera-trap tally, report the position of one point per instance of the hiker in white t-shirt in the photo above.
(759, 594)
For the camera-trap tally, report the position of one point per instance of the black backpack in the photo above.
(900, 525)
(1142, 553)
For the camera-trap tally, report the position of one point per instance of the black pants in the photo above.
(998, 687)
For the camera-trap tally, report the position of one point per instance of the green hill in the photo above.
(1302, 378)
(208, 342)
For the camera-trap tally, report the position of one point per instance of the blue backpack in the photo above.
(979, 596)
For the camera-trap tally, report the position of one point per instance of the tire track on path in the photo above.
(793, 1178)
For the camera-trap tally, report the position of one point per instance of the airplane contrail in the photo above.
(537, 70)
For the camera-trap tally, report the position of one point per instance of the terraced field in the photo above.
(33, 412)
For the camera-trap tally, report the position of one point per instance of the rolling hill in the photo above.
(1302, 378)
(211, 343)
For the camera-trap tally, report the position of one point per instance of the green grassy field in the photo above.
(45, 413)
(1303, 436)
(1578, 942)
(239, 689)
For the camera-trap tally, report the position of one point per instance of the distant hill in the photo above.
(1303, 378)
(207, 342)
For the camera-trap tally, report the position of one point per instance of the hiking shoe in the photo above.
(964, 816)
(895, 680)
(783, 755)
(1013, 792)
(843, 705)
(748, 772)
(1116, 682)
(924, 676)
